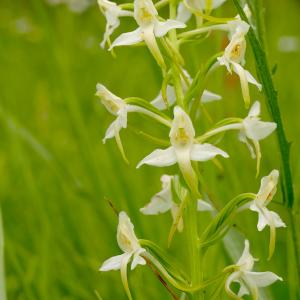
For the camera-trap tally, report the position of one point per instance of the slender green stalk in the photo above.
(195, 259)
(2, 268)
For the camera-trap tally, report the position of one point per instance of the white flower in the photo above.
(234, 58)
(255, 130)
(160, 104)
(249, 281)
(129, 244)
(183, 149)
(112, 13)
(266, 217)
(149, 28)
(163, 201)
(186, 8)
(116, 106)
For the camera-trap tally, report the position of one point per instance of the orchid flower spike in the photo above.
(129, 244)
(234, 58)
(266, 217)
(186, 8)
(112, 13)
(184, 148)
(117, 106)
(255, 130)
(163, 201)
(249, 281)
(160, 104)
(149, 28)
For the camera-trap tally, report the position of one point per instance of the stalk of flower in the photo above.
(149, 29)
(250, 128)
(267, 190)
(184, 149)
(116, 106)
(112, 13)
(129, 244)
(249, 281)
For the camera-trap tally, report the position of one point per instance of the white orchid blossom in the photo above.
(251, 129)
(184, 149)
(234, 57)
(255, 130)
(129, 244)
(249, 281)
(116, 106)
(112, 13)
(266, 217)
(163, 201)
(160, 104)
(186, 8)
(149, 28)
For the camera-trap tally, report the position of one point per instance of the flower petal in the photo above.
(128, 38)
(137, 259)
(183, 14)
(241, 72)
(242, 137)
(113, 263)
(203, 152)
(263, 216)
(258, 130)
(159, 102)
(252, 80)
(160, 158)
(160, 203)
(162, 28)
(204, 206)
(111, 131)
(277, 220)
(254, 111)
(263, 279)
(243, 290)
(208, 96)
(109, 29)
(126, 238)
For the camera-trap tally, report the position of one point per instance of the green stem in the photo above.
(195, 259)
(173, 40)
(2, 269)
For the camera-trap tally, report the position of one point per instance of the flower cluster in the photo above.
(179, 106)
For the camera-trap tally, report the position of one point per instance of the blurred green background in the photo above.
(56, 173)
